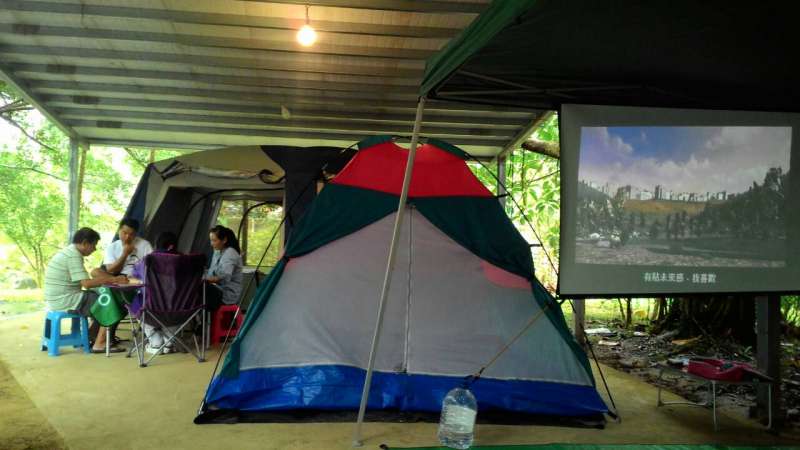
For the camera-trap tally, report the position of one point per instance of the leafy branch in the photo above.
(33, 169)
(16, 125)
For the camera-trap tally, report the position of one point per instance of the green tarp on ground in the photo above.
(597, 447)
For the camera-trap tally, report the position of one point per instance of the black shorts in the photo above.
(87, 301)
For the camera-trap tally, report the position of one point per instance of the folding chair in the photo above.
(173, 295)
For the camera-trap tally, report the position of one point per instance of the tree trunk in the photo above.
(629, 317)
(723, 317)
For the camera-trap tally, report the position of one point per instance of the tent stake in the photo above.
(389, 266)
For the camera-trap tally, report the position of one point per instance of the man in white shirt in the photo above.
(122, 254)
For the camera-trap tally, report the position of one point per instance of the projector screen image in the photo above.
(677, 201)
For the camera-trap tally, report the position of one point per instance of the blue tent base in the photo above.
(231, 416)
(338, 388)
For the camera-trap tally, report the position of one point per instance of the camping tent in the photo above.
(183, 194)
(463, 287)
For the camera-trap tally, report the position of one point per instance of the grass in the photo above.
(607, 310)
(20, 301)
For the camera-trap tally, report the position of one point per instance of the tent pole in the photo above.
(389, 266)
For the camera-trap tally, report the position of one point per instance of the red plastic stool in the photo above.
(221, 320)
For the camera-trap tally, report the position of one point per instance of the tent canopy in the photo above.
(183, 194)
(541, 54)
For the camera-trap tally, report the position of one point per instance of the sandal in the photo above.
(110, 350)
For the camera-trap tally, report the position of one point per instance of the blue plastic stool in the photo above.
(53, 339)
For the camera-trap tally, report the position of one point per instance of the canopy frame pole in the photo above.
(389, 267)
(74, 195)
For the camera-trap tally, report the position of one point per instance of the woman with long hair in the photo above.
(224, 276)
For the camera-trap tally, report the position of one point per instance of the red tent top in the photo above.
(439, 170)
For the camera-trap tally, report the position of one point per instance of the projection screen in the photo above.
(678, 201)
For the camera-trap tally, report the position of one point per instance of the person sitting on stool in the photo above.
(66, 276)
(224, 276)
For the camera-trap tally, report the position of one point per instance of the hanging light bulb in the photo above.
(306, 36)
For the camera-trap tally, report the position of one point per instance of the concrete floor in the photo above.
(94, 402)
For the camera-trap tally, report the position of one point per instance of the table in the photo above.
(110, 306)
(712, 391)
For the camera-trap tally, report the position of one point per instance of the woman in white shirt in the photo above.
(224, 276)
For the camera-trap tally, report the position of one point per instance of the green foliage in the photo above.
(533, 182)
(34, 170)
(33, 213)
(262, 222)
(790, 307)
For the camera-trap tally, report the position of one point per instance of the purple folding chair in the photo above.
(173, 295)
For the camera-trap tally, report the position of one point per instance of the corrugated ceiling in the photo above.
(213, 73)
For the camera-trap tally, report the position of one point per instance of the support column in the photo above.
(768, 353)
(245, 225)
(74, 196)
(81, 176)
(579, 320)
(501, 184)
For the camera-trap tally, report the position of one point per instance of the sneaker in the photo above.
(154, 350)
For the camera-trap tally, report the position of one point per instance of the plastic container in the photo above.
(457, 423)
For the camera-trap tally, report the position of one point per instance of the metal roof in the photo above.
(213, 73)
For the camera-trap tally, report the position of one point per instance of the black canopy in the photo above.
(685, 53)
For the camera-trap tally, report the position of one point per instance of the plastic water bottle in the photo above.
(457, 423)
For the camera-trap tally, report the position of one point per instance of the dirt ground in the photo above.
(640, 354)
(22, 426)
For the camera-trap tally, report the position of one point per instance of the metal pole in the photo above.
(389, 266)
(768, 355)
(73, 188)
(580, 321)
(501, 181)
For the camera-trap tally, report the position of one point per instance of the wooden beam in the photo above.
(24, 91)
(70, 72)
(241, 20)
(525, 133)
(332, 115)
(257, 59)
(256, 94)
(552, 149)
(195, 40)
(333, 135)
(178, 146)
(343, 123)
(262, 107)
(427, 6)
(300, 132)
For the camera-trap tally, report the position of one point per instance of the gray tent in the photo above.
(184, 194)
